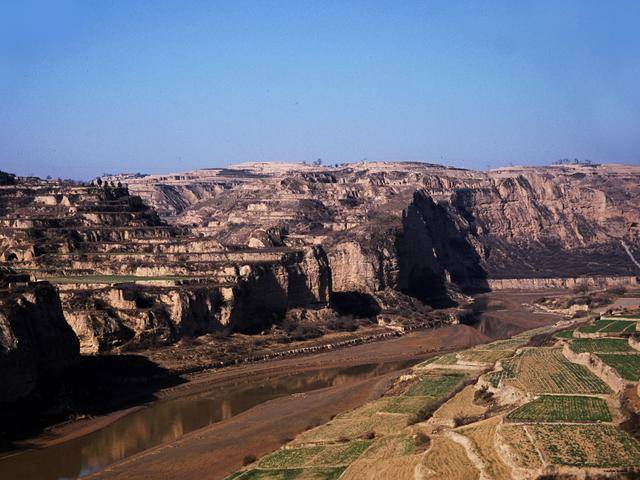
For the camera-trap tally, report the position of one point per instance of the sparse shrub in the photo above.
(343, 324)
(465, 420)
(617, 290)
(422, 439)
(482, 396)
(248, 460)
(581, 288)
(305, 332)
(422, 415)
(289, 324)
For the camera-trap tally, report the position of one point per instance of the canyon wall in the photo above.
(146, 260)
(522, 222)
(35, 339)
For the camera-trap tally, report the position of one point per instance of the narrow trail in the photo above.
(628, 250)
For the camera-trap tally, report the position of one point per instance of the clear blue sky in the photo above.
(92, 86)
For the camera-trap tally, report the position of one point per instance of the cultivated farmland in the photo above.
(546, 370)
(627, 366)
(509, 366)
(595, 326)
(620, 326)
(435, 386)
(586, 445)
(517, 439)
(600, 345)
(290, 474)
(562, 408)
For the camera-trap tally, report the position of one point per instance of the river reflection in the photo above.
(166, 421)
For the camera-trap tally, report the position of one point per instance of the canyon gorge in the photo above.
(176, 267)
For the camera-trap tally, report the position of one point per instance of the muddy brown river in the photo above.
(168, 420)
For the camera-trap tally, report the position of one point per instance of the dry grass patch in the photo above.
(525, 453)
(446, 359)
(390, 446)
(460, 406)
(447, 459)
(510, 344)
(368, 409)
(389, 424)
(484, 356)
(483, 436)
(393, 468)
(403, 404)
(336, 430)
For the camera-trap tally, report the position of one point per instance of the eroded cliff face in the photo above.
(240, 248)
(254, 297)
(35, 340)
(522, 222)
(542, 223)
(130, 280)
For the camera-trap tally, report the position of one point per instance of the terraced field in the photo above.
(585, 445)
(562, 408)
(546, 370)
(405, 436)
(435, 386)
(620, 326)
(564, 334)
(484, 356)
(482, 434)
(315, 456)
(595, 326)
(596, 345)
(289, 474)
(508, 371)
(447, 459)
(519, 442)
(627, 366)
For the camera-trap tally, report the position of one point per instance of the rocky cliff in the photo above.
(522, 222)
(35, 339)
(463, 228)
(130, 280)
(237, 249)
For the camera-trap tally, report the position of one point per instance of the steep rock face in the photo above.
(35, 340)
(238, 248)
(534, 224)
(255, 296)
(436, 248)
(523, 222)
(421, 254)
(352, 269)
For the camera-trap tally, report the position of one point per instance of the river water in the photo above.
(168, 420)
